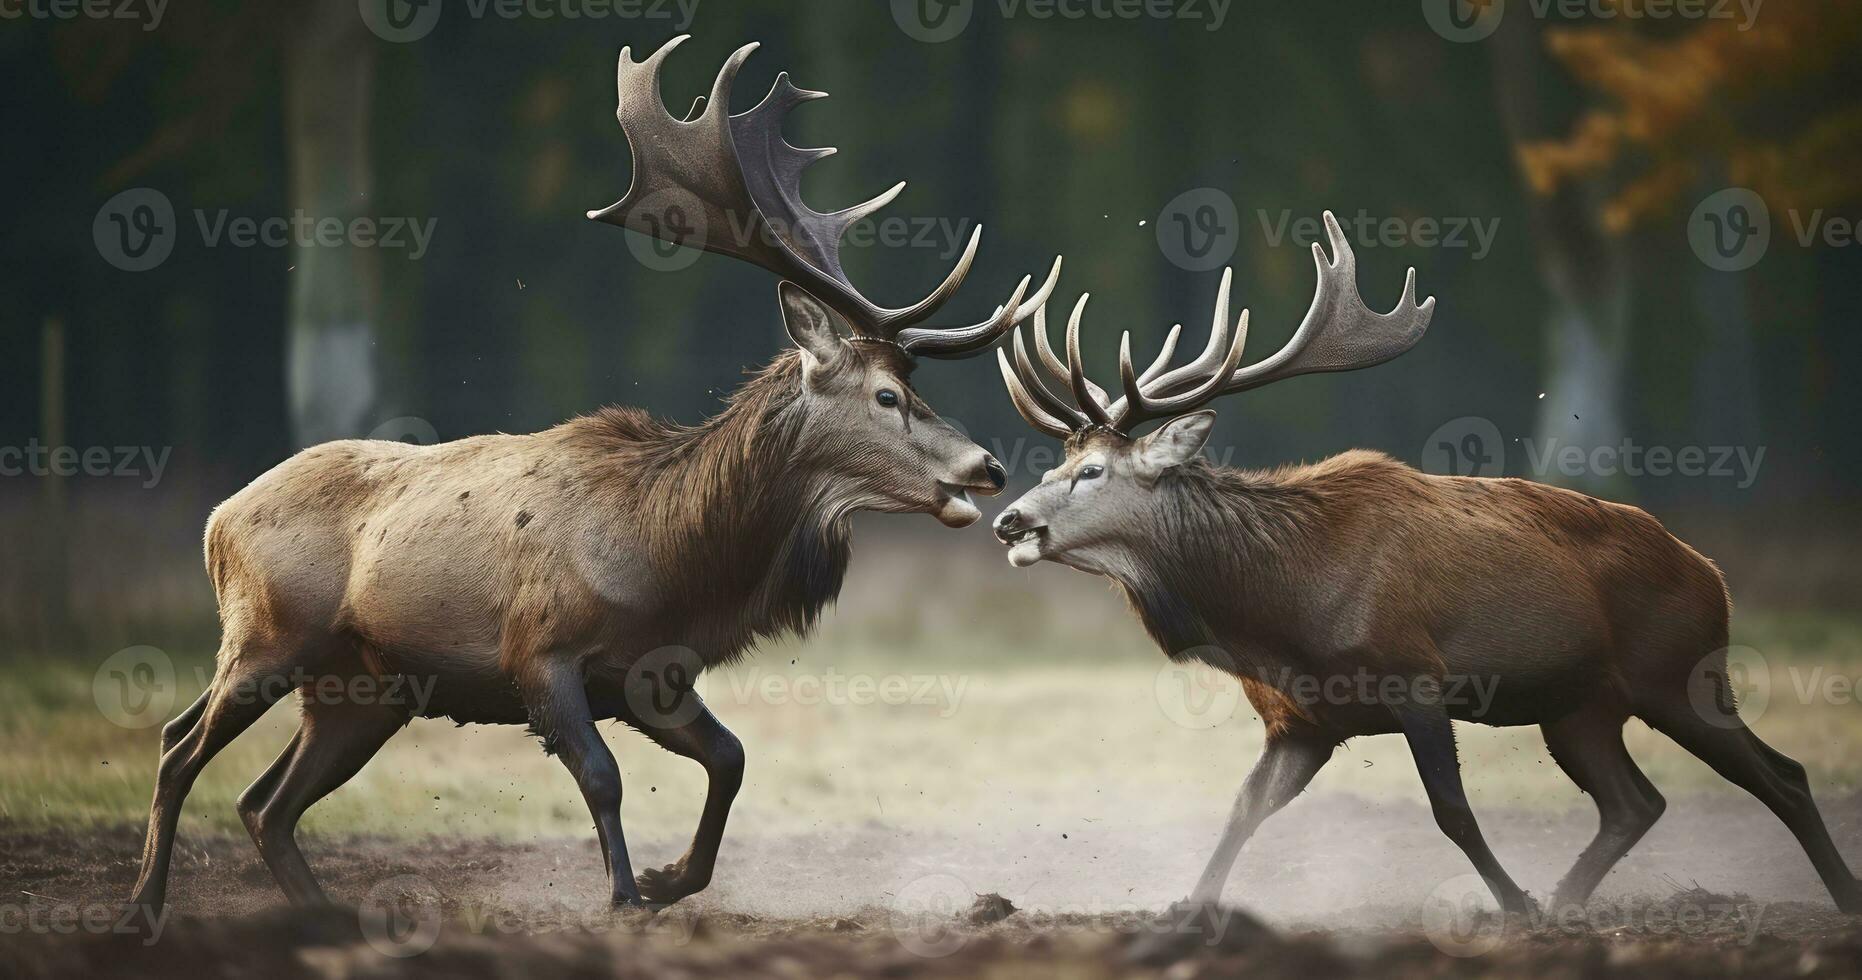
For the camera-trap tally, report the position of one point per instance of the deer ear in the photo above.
(1177, 442)
(810, 324)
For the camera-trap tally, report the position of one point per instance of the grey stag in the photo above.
(1357, 596)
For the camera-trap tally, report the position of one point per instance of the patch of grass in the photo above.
(906, 721)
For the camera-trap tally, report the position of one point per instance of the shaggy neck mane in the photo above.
(1226, 542)
(746, 540)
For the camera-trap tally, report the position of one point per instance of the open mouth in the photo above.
(1020, 534)
(1027, 545)
(955, 508)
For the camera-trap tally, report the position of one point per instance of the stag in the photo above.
(589, 571)
(1318, 585)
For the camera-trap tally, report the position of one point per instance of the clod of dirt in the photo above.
(989, 908)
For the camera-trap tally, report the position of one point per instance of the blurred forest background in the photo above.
(1585, 141)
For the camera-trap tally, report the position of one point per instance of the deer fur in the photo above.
(1562, 610)
(522, 579)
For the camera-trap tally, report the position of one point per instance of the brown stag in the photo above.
(1357, 596)
(589, 571)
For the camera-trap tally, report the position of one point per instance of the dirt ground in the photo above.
(1341, 887)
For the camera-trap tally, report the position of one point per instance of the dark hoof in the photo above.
(1524, 904)
(1188, 928)
(667, 885)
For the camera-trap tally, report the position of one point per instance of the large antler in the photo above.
(732, 185)
(1339, 333)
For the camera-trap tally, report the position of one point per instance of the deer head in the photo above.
(732, 184)
(1104, 499)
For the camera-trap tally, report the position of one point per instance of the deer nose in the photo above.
(997, 475)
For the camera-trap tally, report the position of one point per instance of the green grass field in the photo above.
(1034, 705)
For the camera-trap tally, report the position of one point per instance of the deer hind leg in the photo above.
(335, 740)
(184, 722)
(1287, 764)
(1720, 738)
(1431, 737)
(242, 690)
(705, 740)
(1588, 746)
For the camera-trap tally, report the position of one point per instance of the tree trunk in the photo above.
(332, 365)
(1586, 275)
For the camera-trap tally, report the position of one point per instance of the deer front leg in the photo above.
(558, 705)
(1431, 737)
(692, 731)
(1287, 764)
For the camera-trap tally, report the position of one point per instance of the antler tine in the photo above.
(1051, 403)
(1144, 407)
(1212, 353)
(1163, 356)
(1341, 333)
(1076, 369)
(936, 299)
(732, 184)
(1055, 367)
(964, 341)
(1024, 403)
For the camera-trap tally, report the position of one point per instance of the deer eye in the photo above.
(1092, 471)
(888, 398)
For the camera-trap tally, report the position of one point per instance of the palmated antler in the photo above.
(1339, 333)
(732, 184)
